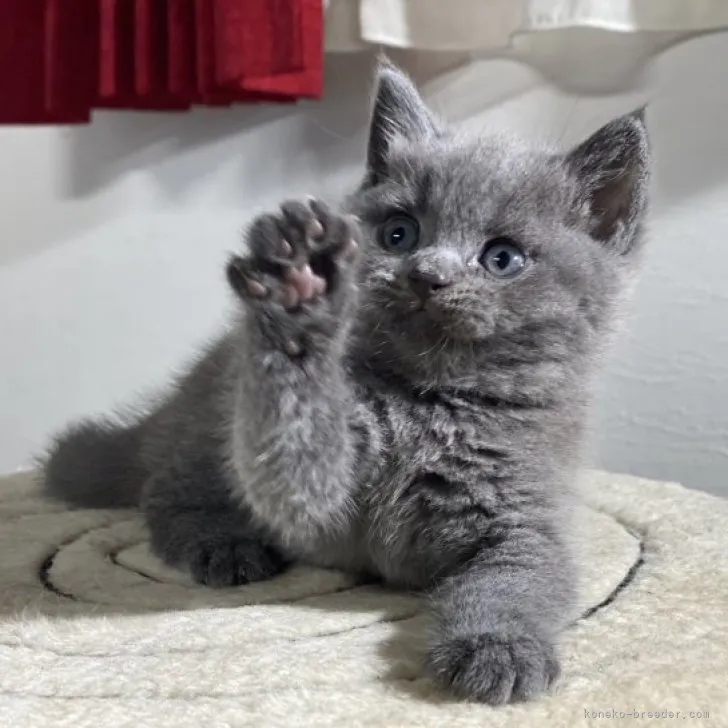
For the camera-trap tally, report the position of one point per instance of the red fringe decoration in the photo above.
(63, 58)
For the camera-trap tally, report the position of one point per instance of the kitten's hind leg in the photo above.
(195, 525)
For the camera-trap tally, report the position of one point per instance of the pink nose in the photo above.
(425, 283)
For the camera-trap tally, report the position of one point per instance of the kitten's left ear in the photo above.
(613, 167)
(398, 112)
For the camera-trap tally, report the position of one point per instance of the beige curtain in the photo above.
(472, 25)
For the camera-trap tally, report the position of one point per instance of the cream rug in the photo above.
(94, 632)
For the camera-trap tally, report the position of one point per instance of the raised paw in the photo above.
(494, 669)
(231, 561)
(299, 267)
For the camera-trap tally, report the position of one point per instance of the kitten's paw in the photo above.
(220, 561)
(493, 669)
(300, 270)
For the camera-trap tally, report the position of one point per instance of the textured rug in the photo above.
(95, 632)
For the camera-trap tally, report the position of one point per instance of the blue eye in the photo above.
(503, 259)
(400, 234)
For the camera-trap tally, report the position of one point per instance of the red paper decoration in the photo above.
(63, 58)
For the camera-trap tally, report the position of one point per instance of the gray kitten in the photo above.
(403, 393)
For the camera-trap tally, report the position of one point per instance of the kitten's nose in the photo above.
(424, 282)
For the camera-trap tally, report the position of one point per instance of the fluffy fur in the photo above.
(352, 418)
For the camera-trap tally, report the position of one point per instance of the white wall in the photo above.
(112, 237)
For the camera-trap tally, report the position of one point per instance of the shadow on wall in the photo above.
(121, 142)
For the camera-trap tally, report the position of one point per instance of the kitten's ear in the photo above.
(613, 169)
(398, 113)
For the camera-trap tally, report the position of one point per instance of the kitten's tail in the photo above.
(95, 464)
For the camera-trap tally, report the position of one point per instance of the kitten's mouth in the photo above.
(435, 306)
(449, 318)
(432, 303)
(436, 317)
(437, 309)
(414, 304)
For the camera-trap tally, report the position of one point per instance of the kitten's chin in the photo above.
(424, 350)
(424, 329)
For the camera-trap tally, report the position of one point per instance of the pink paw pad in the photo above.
(302, 285)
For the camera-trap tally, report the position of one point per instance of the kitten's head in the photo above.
(487, 250)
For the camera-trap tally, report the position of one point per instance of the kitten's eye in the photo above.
(503, 258)
(400, 234)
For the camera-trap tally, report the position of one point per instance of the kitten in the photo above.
(403, 393)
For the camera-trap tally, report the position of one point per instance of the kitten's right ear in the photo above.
(398, 113)
(613, 169)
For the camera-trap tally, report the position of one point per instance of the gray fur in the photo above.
(432, 444)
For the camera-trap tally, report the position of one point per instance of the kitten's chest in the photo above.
(436, 495)
(460, 444)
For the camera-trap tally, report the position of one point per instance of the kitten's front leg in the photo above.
(499, 617)
(297, 429)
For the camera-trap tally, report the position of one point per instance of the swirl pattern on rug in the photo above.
(95, 631)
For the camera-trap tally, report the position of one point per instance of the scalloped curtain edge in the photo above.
(469, 25)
